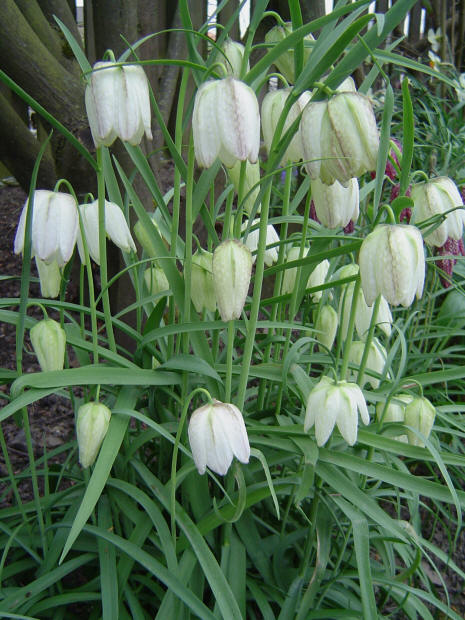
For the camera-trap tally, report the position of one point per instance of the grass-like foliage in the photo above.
(319, 516)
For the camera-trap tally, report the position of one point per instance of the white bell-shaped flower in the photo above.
(115, 226)
(336, 205)
(54, 227)
(335, 403)
(437, 197)
(202, 287)
(232, 269)
(326, 326)
(48, 340)
(91, 427)
(217, 433)
(225, 123)
(118, 103)
(375, 363)
(290, 274)
(272, 107)
(392, 262)
(272, 237)
(251, 183)
(340, 137)
(317, 278)
(233, 57)
(363, 312)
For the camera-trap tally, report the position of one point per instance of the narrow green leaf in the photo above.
(107, 558)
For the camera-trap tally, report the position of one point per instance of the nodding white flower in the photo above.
(363, 312)
(285, 62)
(335, 403)
(225, 123)
(420, 415)
(234, 53)
(156, 280)
(394, 412)
(375, 363)
(434, 38)
(217, 433)
(251, 185)
(118, 103)
(290, 274)
(232, 269)
(272, 237)
(202, 287)
(50, 278)
(272, 107)
(317, 278)
(340, 138)
(115, 226)
(392, 262)
(436, 197)
(326, 325)
(91, 427)
(336, 205)
(54, 227)
(48, 340)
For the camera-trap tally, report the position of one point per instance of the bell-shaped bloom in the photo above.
(50, 278)
(420, 415)
(317, 278)
(156, 280)
(48, 340)
(272, 107)
(336, 205)
(232, 269)
(335, 403)
(202, 287)
(375, 363)
(290, 274)
(363, 312)
(392, 262)
(225, 123)
(326, 325)
(340, 138)
(118, 103)
(233, 56)
(285, 62)
(437, 197)
(217, 433)
(394, 412)
(54, 227)
(251, 183)
(272, 238)
(115, 226)
(91, 427)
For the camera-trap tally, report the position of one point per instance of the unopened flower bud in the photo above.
(375, 362)
(232, 269)
(50, 278)
(290, 274)
(48, 339)
(233, 56)
(326, 326)
(202, 288)
(285, 62)
(217, 433)
(156, 280)
(392, 262)
(91, 427)
(394, 412)
(419, 414)
(251, 186)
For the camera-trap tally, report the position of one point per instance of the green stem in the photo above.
(229, 358)
(102, 240)
(350, 331)
(188, 243)
(369, 340)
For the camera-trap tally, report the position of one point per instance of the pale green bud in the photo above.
(375, 363)
(436, 197)
(232, 269)
(290, 274)
(392, 262)
(234, 52)
(50, 278)
(251, 180)
(419, 414)
(155, 280)
(317, 278)
(394, 412)
(285, 62)
(202, 287)
(326, 326)
(91, 427)
(48, 339)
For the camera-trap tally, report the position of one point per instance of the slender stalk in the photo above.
(229, 358)
(350, 331)
(103, 251)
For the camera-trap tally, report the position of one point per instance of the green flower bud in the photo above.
(49, 341)
(285, 62)
(419, 414)
(91, 427)
(155, 280)
(202, 287)
(326, 326)
(232, 268)
(234, 52)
